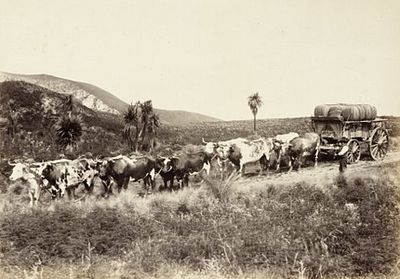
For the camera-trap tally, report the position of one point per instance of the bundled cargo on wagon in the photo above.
(346, 111)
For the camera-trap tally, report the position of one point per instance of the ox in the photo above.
(241, 152)
(22, 171)
(165, 170)
(211, 147)
(280, 146)
(215, 151)
(66, 175)
(122, 168)
(302, 147)
(183, 165)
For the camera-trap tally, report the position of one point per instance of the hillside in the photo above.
(28, 113)
(99, 99)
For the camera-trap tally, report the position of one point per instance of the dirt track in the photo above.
(325, 171)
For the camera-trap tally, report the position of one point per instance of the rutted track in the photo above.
(325, 171)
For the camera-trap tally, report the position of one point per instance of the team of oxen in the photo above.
(63, 176)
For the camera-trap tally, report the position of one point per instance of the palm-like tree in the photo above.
(69, 127)
(69, 104)
(132, 121)
(68, 130)
(146, 113)
(254, 102)
(141, 124)
(12, 119)
(153, 124)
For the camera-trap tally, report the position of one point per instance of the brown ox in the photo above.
(122, 169)
(303, 147)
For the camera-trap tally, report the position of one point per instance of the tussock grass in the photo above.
(347, 227)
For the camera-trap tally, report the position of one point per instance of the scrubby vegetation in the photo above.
(215, 131)
(348, 227)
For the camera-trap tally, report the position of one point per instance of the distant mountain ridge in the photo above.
(99, 99)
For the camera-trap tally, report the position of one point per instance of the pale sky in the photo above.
(208, 56)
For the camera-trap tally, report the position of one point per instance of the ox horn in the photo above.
(11, 164)
(205, 142)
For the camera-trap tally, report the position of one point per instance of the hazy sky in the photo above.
(208, 56)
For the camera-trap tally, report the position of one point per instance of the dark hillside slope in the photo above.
(31, 112)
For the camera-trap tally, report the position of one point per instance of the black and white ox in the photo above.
(64, 176)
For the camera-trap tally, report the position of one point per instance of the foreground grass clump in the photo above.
(346, 228)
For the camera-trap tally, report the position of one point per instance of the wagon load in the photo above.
(353, 112)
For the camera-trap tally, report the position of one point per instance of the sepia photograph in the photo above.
(200, 139)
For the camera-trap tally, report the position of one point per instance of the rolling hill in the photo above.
(99, 99)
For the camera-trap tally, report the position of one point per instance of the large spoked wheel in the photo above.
(354, 153)
(378, 144)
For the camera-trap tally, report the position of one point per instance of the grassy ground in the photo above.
(303, 228)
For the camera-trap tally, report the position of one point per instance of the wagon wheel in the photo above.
(354, 153)
(378, 144)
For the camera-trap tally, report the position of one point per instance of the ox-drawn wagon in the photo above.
(336, 131)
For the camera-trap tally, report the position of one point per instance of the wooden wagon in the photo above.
(336, 133)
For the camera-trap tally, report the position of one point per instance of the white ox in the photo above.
(33, 179)
(211, 147)
(215, 151)
(241, 151)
